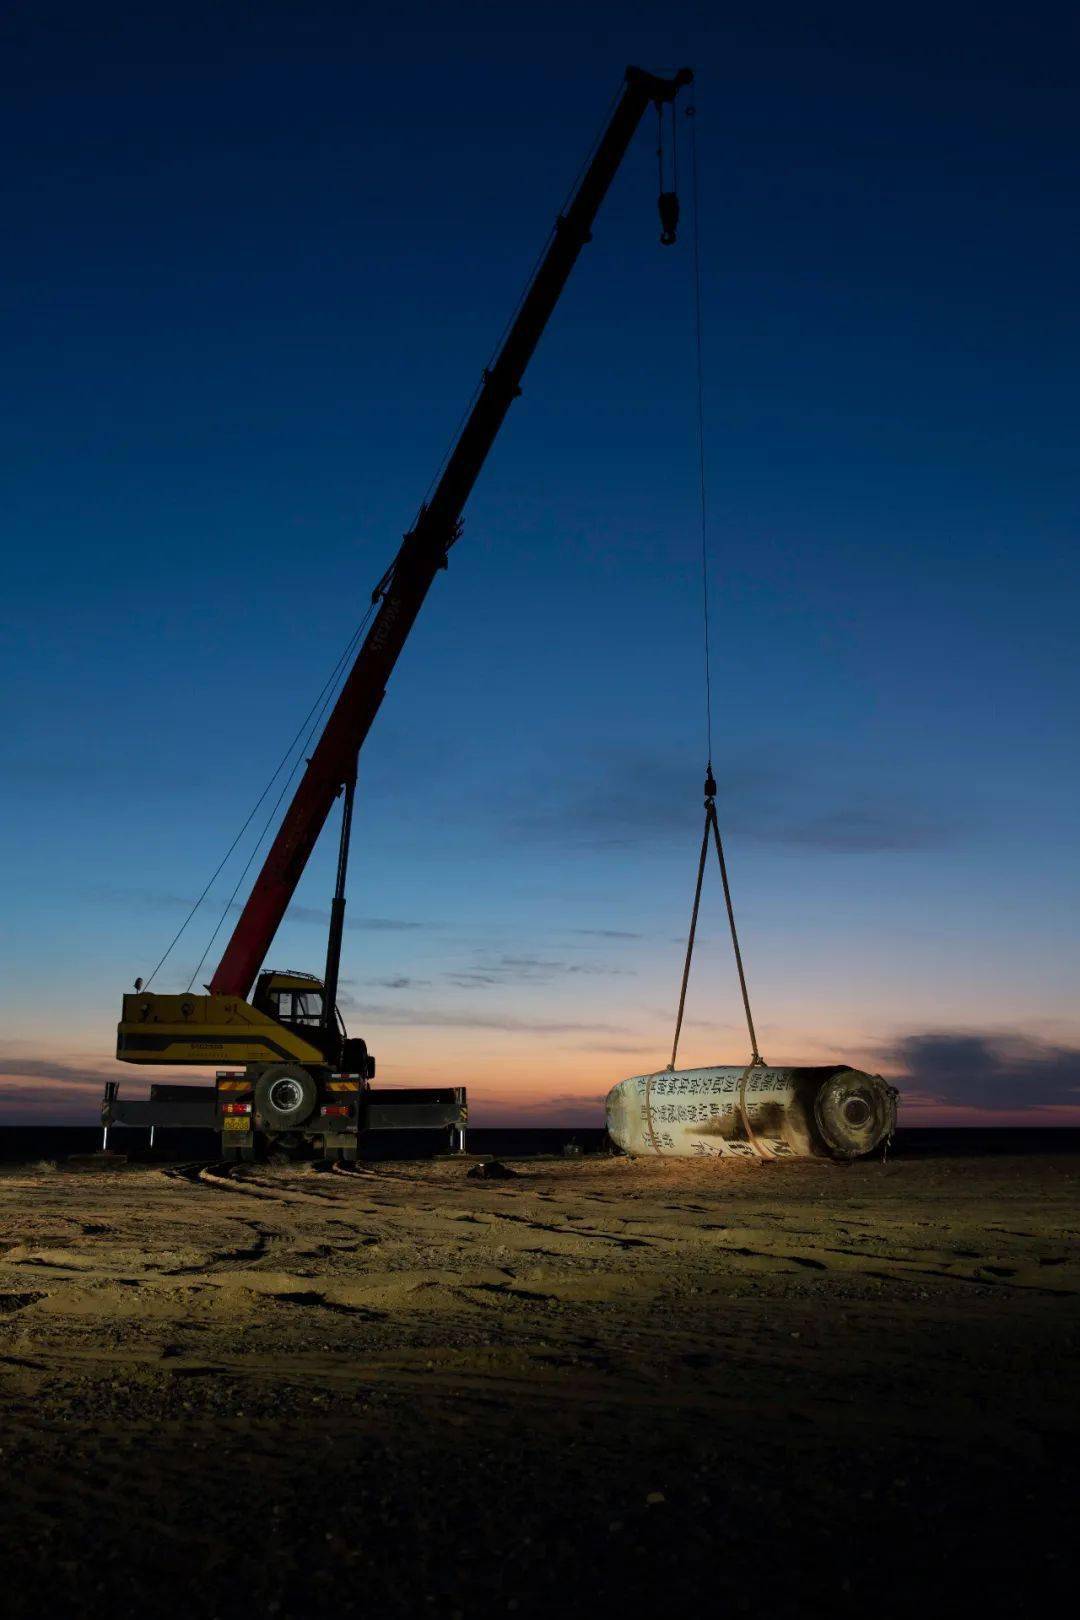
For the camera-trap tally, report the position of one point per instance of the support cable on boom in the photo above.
(712, 825)
(330, 690)
(304, 730)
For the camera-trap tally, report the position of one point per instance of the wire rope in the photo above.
(303, 729)
(330, 691)
(691, 113)
(712, 825)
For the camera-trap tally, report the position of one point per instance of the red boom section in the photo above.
(424, 551)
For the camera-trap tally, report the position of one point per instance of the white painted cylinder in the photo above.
(752, 1112)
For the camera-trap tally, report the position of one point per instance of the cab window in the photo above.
(307, 1007)
(297, 1006)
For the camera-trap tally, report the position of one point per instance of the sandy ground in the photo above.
(600, 1387)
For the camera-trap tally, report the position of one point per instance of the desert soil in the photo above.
(602, 1386)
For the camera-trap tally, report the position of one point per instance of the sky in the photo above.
(257, 256)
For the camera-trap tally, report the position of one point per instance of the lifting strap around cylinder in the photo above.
(712, 829)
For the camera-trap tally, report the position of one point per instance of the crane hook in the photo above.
(668, 204)
(668, 200)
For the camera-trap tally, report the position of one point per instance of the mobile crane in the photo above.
(293, 1073)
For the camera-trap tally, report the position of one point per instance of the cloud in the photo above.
(606, 972)
(1006, 1071)
(631, 798)
(640, 1048)
(375, 925)
(57, 1073)
(24, 1104)
(158, 900)
(864, 830)
(65, 1091)
(618, 801)
(665, 1016)
(510, 969)
(463, 1018)
(607, 933)
(399, 981)
(565, 1109)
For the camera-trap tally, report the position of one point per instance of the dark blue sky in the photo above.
(256, 256)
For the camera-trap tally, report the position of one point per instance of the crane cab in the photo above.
(297, 1002)
(291, 998)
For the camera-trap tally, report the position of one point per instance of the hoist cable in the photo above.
(712, 825)
(661, 178)
(674, 149)
(691, 113)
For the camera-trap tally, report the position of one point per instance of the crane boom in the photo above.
(424, 551)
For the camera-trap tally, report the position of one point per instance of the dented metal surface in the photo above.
(752, 1112)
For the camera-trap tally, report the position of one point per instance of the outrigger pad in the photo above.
(491, 1170)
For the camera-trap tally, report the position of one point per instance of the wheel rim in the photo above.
(286, 1095)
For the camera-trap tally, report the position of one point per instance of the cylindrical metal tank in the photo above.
(752, 1112)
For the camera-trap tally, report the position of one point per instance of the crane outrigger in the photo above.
(293, 1073)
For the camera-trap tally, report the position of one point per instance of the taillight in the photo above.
(338, 1110)
(236, 1108)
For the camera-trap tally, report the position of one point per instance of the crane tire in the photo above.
(285, 1096)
